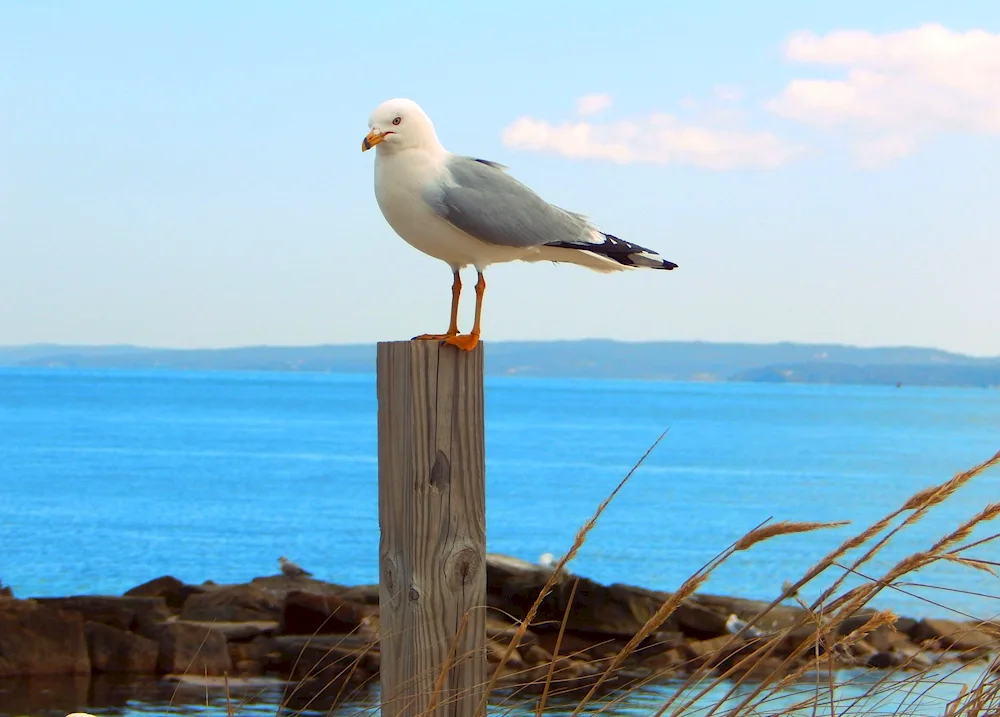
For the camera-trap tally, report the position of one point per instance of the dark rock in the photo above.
(248, 668)
(513, 585)
(777, 618)
(40, 640)
(281, 585)
(286, 647)
(583, 646)
(311, 614)
(506, 634)
(192, 649)
(136, 614)
(173, 591)
(699, 622)
(495, 653)
(950, 634)
(672, 660)
(343, 664)
(886, 660)
(233, 603)
(791, 640)
(534, 654)
(661, 642)
(114, 650)
(708, 653)
(886, 638)
(362, 594)
(235, 631)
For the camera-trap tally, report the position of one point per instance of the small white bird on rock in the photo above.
(734, 625)
(291, 570)
(470, 212)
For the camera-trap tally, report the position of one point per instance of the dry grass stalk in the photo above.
(987, 514)
(781, 528)
(555, 652)
(824, 613)
(581, 538)
(970, 563)
(929, 497)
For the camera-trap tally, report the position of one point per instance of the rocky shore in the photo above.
(324, 636)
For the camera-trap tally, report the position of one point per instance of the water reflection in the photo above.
(853, 693)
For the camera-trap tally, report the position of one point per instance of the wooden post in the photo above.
(432, 512)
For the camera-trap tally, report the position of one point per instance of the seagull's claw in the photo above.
(463, 342)
(434, 337)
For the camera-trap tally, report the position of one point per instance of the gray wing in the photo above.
(482, 200)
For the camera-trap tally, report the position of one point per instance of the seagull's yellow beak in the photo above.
(374, 137)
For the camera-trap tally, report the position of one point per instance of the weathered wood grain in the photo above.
(432, 513)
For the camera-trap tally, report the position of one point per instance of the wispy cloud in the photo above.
(592, 104)
(657, 138)
(901, 89)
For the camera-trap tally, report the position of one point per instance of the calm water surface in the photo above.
(108, 479)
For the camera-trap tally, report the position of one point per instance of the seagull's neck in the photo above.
(421, 160)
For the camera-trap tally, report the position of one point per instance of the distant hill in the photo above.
(658, 360)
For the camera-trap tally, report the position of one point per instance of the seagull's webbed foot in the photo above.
(435, 337)
(463, 342)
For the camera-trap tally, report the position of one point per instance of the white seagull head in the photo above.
(400, 124)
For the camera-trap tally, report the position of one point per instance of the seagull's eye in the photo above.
(397, 120)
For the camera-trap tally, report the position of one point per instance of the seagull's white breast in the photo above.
(400, 180)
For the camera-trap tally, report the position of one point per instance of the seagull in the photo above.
(547, 560)
(291, 570)
(467, 211)
(734, 625)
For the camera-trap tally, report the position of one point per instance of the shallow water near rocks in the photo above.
(109, 479)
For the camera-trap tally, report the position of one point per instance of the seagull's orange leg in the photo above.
(456, 292)
(467, 342)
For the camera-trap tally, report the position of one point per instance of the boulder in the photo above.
(363, 594)
(114, 650)
(708, 653)
(281, 585)
(699, 622)
(673, 660)
(953, 635)
(495, 652)
(233, 603)
(532, 654)
(505, 633)
(886, 660)
(136, 614)
(173, 591)
(886, 638)
(307, 613)
(777, 618)
(236, 631)
(513, 585)
(344, 663)
(40, 640)
(191, 649)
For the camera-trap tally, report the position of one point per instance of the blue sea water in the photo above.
(111, 478)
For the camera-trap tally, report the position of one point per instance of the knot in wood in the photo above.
(414, 594)
(462, 567)
(389, 573)
(441, 472)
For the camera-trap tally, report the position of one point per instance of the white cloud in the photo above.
(901, 89)
(592, 104)
(656, 138)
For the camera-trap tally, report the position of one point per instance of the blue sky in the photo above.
(190, 174)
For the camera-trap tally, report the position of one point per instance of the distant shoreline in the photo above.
(680, 361)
